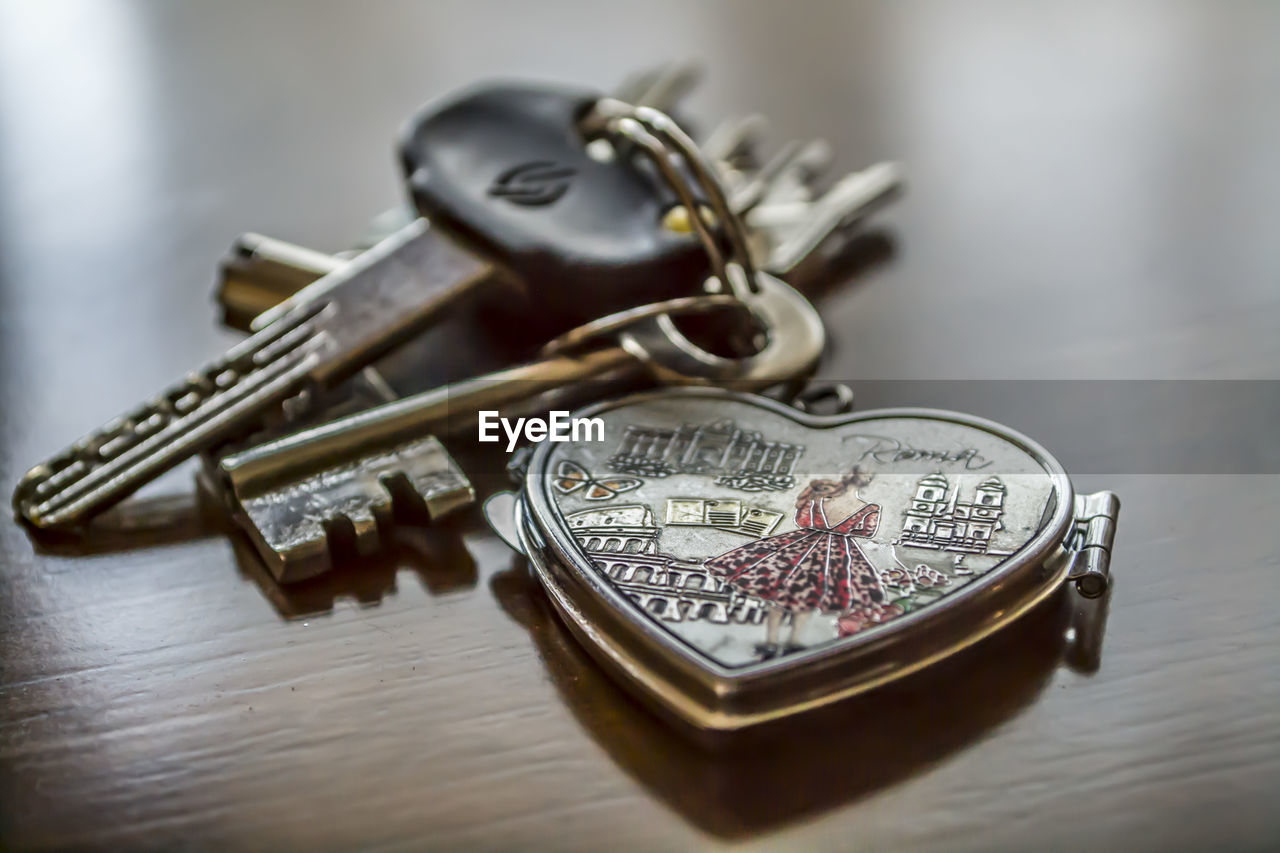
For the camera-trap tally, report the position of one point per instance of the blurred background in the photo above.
(1093, 194)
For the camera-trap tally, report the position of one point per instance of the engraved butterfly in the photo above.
(570, 477)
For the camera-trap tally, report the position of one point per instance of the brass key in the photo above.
(289, 491)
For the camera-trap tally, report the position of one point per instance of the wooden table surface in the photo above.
(1093, 210)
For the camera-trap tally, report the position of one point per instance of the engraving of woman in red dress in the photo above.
(817, 567)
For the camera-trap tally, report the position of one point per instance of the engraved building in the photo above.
(937, 519)
(622, 542)
(743, 459)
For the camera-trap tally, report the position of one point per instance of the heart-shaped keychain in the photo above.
(739, 560)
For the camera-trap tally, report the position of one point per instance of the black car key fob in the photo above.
(505, 168)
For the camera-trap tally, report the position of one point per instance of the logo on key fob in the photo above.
(533, 184)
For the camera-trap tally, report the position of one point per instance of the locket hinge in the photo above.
(1089, 542)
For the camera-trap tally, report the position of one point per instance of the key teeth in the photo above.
(437, 482)
(364, 528)
(661, 87)
(299, 561)
(317, 542)
(300, 527)
(114, 460)
(402, 497)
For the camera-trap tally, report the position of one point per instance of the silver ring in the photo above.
(796, 338)
(837, 393)
(619, 320)
(659, 137)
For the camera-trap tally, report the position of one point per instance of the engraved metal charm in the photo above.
(748, 573)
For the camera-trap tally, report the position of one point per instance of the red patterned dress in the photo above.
(817, 567)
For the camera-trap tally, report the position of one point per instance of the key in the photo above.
(662, 87)
(261, 272)
(796, 228)
(500, 170)
(288, 494)
(293, 522)
(785, 220)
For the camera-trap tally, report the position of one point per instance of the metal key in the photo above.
(292, 521)
(796, 228)
(366, 308)
(469, 165)
(290, 492)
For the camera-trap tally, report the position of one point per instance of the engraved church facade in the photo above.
(937, 519)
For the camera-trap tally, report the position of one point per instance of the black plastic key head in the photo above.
(504, 167)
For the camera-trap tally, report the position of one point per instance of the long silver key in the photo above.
(460, 156)
(358, 312)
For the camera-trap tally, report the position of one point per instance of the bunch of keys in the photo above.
(734, 557)
(525, 196)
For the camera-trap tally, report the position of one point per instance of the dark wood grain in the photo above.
(1094, 196)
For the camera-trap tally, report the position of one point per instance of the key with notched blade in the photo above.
(513, 196)
(291, 519)
(348, 475)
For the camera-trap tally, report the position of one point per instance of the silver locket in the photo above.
(736, 560)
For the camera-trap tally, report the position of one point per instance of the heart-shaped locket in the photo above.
(739, 560)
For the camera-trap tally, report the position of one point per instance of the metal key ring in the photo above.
(612, 323)
(659, 137)
(795, 340)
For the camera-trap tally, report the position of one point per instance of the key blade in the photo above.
(733, 142)
(661, 88)
(387, 293)
(129, 451)
(261, 272)
(326, 332)
(800, 227)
